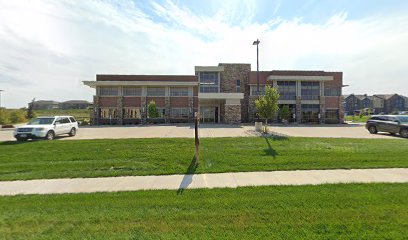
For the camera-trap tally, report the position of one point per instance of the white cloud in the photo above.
(47, 47)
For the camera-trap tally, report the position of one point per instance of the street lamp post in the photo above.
(257, 68)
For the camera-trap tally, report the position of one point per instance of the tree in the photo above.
(152, 110)
(4, 117)
(30, 112)
(268, 105)
(284, 113)
(17, 116)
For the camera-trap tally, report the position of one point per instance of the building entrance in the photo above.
(209, 114)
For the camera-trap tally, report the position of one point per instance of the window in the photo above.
(332, 91)
(179, 113)
(332, 116)
(209, 82)
(238, 86)
(310, 113)
(310, 90)
(287, 90)
(178, 92)
(131, 113)
(72, 119)
(108, 113)
(261, 90)
(132, 91)
(156, 91)
(108, 91)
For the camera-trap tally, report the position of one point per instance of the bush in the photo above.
(4, 116)
(17, 116)
(152, 110)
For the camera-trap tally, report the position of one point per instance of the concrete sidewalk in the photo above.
(209, 180)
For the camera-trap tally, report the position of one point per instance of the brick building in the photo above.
(222, 94)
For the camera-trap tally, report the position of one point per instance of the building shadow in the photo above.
(188, 176)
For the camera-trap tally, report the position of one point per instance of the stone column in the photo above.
(322, 109)
(119, 108)
(341, 109)
(232, 113)
(143, 106)
(95, 113)
(298, 109)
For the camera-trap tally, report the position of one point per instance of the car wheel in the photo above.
(372, 130)
(72, 132)
(404, 133)
(50, 135)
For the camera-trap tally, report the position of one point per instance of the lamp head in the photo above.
(256, 42)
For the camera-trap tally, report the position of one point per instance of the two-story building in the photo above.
(222, 94)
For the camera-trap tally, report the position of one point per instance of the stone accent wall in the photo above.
(143, 113)
(119, 108)
(228, 84)
(191, 106)
(95, 115)
(167, 109)
(341, 109)
(322, 109)
(232, 114)
(299, 109)
(251, 108)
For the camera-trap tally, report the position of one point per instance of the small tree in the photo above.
(4, 116)
(152, 110)
(17, 116)
(284, 113)
(268, 105)
(30, 112)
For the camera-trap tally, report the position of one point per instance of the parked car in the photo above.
(388, 123)
(47, 128)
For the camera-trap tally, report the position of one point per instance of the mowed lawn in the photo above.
(93, 158)
(344, 211)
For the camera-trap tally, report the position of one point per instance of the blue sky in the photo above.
(48, 47)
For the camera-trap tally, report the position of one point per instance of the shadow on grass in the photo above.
(188, 177)
(270, 151)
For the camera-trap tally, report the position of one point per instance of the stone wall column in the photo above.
(143, 107)
(95, 112)
(341, 109)
(322, 109)
(298, 109)
(190, 109)
(167, 105)
(232, 113)
(119, 109)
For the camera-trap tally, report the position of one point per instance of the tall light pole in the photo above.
(257, 69)
(257, 65)
(0, 96)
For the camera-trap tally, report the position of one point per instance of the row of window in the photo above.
(287, 91)
(137, 91)
(135, 113)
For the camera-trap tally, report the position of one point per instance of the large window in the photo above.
(261, 90)
(209, 82)
(310, 90)
(178, 92)
(332, 116)
(310, 113)
(109, 113)
(238, 86)
(287, 90)
(132, 91)
(131, 113)
(108, 91)
(179, 112)
(156, 91)
(332, 91)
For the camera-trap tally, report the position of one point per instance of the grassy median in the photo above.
(94, 158)
(353, 211)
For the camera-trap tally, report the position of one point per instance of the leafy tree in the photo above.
(4, 116)
(30, 112)
(284, 113)
(17, 116)
(152, 110)
(268, 105)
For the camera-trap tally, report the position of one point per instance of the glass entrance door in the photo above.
(207, 114)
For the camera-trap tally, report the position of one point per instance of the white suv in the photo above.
(47, 127)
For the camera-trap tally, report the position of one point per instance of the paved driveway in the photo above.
(219, 130)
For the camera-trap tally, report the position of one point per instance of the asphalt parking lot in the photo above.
(218, 130)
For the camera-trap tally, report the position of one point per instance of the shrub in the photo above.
(4, 116)
(152, 110)
(17, 116)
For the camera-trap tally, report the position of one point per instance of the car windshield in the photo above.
(403, 119)
(41, 121)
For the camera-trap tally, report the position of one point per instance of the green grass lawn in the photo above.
(352, 211)
(94, 158)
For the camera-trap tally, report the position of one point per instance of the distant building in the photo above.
(379, 103)
(75, 104)
(45, 104)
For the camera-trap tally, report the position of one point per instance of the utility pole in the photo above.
(0, 96)
(257, 68)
